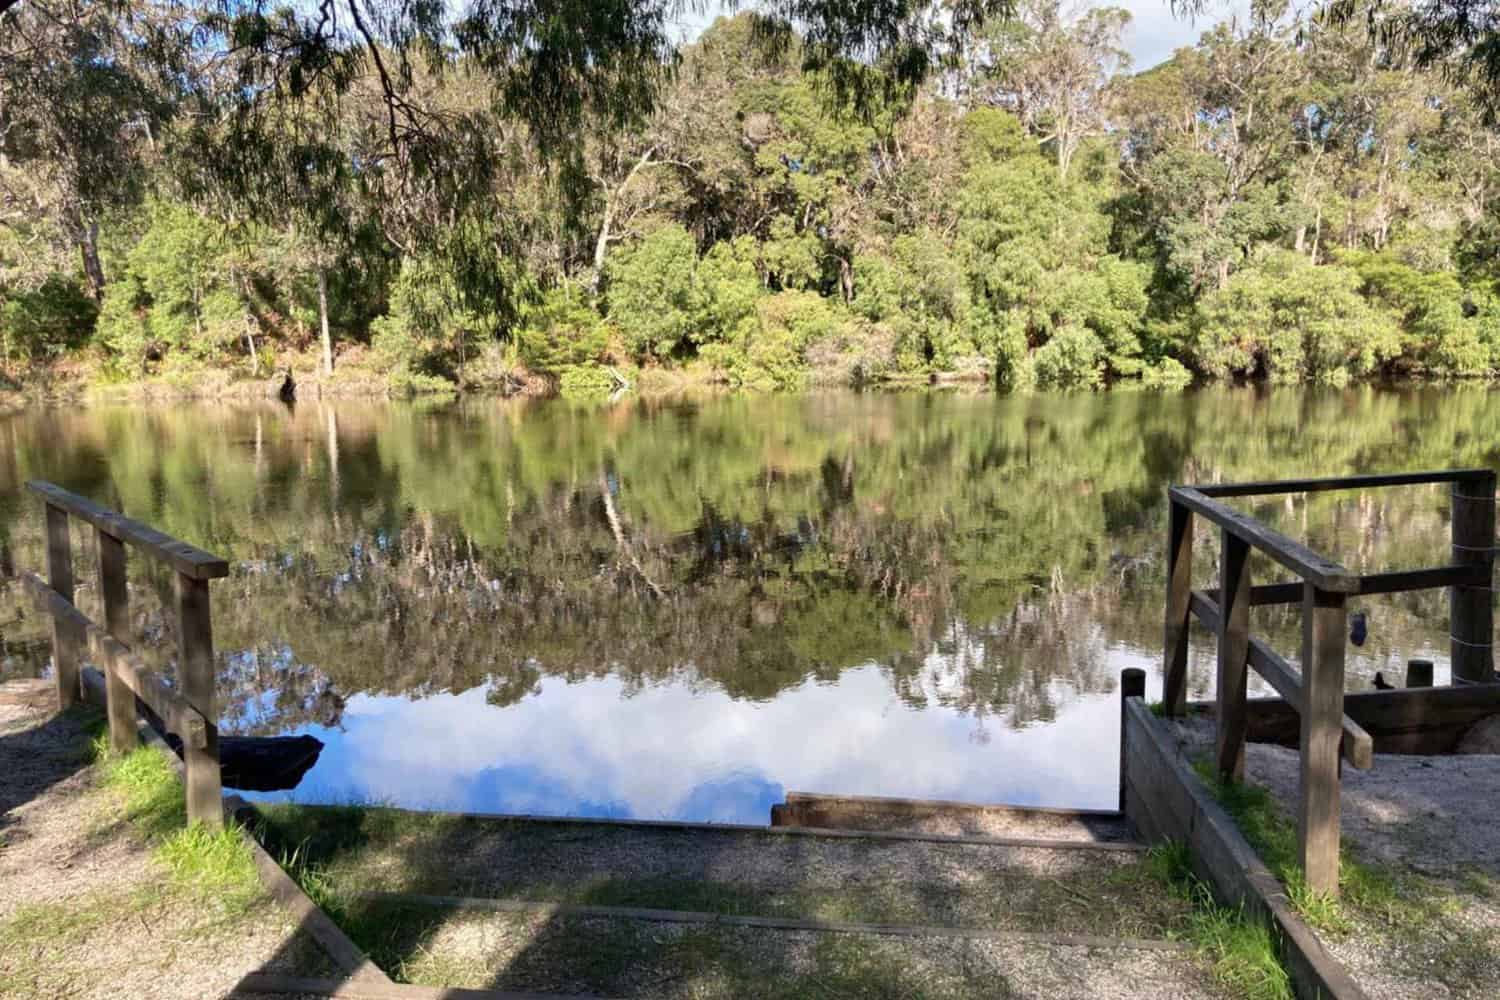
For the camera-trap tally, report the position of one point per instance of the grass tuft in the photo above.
(1242, 950)
(213, 866)
(147, 785)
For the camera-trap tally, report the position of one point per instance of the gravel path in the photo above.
(1068, 890)
(672, 962)
(1432, 825)
(82, 912)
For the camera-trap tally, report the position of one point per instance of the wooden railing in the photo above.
(186, 709)
(1316, 692)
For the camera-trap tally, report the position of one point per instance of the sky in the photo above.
(1154, 33)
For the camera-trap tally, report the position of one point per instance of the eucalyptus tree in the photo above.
(1053, 66)
(85, 89)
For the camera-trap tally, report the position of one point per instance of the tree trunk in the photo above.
(323, 321)
(611, 203)
(88, 249)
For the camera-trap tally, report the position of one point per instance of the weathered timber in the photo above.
(60, 579)
(1419, 673)
(146, 684)
(195, 665)
(1323, 628)
(1355, 744)
(1132, 685)
(263, 763)
(1234, 654)
(1178, 618)
(1293, 555)
(1333, 483)
(1422, 721)
(276, 984)
(181, 556)
(657, 915)
(249, 763)
(819, 811)
(1378, 583)
(1472, 605)
(1166, 801)
(113, 587)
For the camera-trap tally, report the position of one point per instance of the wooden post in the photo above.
(1234, 652)
(65, 643)
(1419, 673)
(1132, 685)
(121, 700)
(1179, 613)
(195, 668)
(1324, 626)
(1472, 608)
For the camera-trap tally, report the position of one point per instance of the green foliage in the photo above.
(1292, 320)
(1250, 212)
(1446, 329)
(427, 328)
(587, 381)
(47, 321)
(560, 331)
(175, 292)
(654, 298)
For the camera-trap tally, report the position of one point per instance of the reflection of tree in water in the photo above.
(986, 553)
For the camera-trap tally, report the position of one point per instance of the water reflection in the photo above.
(681, 608)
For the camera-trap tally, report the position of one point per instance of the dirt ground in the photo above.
(84, 909)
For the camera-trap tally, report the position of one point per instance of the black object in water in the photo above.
(1358, 628)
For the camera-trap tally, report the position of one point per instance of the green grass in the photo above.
(1417, 920)
(209, 866)
(1242, 950)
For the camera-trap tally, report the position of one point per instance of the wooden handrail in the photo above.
(188, 707)
(1380, 583)
(1331, 483)
(146, 684)
(1316, 694)
(1323, 573)
(1356, 745)
(186, 559)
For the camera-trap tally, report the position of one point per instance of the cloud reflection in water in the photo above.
(675, 752)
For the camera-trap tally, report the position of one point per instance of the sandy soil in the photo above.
(82, 908)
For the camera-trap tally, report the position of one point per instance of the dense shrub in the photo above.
(1289, 319)
(560, 331)
(653, 293)
(46, 321)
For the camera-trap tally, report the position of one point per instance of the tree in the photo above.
(1053, 68)
(84, 93)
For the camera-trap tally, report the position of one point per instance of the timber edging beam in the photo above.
(1167, 802)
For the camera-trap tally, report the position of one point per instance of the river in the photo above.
(684, 608)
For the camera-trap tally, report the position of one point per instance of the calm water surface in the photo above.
(686, 608)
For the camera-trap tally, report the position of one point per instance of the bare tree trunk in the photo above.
(323, 321)
(88, 249)
(601, 245)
